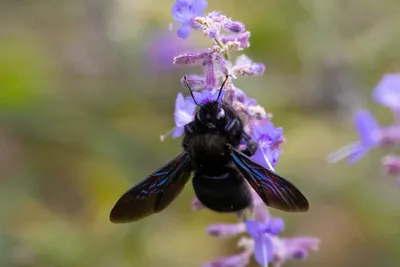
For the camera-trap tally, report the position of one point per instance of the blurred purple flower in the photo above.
(368, 130)
(197, 205)
(206, 96)
(184, 113)
(267, 137)
(184, 11)
(161, 49)
(391, 165)
(387, 92)
(239, 260)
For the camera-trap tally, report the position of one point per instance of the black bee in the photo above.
(221, 171)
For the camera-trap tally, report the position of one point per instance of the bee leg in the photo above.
(251, 148)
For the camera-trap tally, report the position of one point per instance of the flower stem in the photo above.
(220, 44)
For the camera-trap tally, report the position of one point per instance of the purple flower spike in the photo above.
(206, 96)
(387, 92)
(184, 11)
(184, 113)
(233, 26)
(226, 230)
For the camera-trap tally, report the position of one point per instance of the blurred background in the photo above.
(87, 87)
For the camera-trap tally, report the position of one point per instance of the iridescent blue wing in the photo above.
(154, 193)
(273, 189)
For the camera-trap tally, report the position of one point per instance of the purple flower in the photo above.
(246, 67)
(190, 58)
(184, 11)
(206, 96)
(233, 26)
(223, 230)
(184, 113)
(262, 233)
(368, 130)
(293, 248)
(267, 137)
(387, 92)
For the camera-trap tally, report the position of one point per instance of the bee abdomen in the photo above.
(226, 192)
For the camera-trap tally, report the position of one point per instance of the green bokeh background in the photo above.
(83, 102)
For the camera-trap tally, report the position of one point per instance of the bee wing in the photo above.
(273, 189)
(154, 193)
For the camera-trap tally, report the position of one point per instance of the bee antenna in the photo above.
(190, 90)
(222, 86)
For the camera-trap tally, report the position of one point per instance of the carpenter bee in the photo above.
(221, 171)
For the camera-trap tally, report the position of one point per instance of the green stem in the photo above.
(220, 44)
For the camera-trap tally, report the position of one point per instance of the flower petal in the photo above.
(366, 125)
(387, 92)
(197, 96)
(253, 228)
(356, 154)
(239, 260)
(178, 132)
(184, 31)
(179, 102)
(276, 225)
(199, 6)
(263, 250)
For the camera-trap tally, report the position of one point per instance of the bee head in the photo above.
(211, 115)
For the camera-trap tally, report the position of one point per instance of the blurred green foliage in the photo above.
(81, 111)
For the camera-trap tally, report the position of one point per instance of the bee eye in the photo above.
(221, 113)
